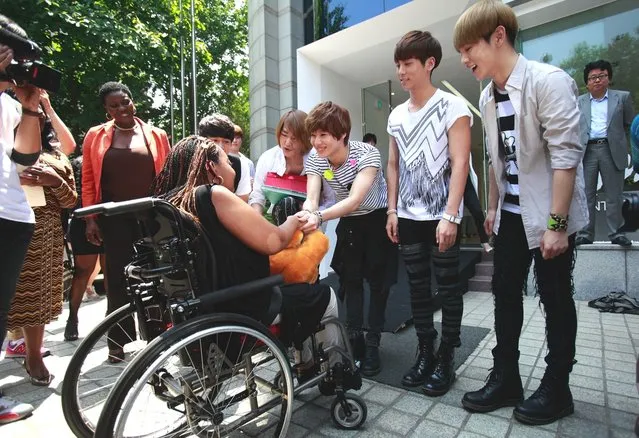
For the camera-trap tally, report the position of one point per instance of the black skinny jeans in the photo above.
(554, 285)
(363, 251)
(15, 238)
(418, 246)
(471, 202)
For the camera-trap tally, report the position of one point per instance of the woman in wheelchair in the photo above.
(242, 241)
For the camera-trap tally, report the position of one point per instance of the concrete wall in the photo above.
(275, 33)
(601, 268)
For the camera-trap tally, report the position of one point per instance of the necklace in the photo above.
(125, 129)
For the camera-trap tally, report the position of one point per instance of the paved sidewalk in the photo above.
(602, 383)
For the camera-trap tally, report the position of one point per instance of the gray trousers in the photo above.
(598, 160)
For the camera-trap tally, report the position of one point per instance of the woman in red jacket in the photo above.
(120, 160)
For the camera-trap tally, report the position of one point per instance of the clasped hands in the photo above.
(307, 221)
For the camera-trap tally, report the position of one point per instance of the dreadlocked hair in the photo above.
(206, 151)
(176, 167)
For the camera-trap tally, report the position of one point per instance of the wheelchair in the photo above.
(199, 370)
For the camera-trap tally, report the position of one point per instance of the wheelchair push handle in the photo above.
(115, 208)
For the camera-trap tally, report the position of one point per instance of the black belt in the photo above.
(598, 141)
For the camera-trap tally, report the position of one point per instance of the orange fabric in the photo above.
(98, 140)
(299, 261)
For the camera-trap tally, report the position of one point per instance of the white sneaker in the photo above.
(12, 410)
(487, 248)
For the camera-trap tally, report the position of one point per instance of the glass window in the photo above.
(610, 32)
(325, 17)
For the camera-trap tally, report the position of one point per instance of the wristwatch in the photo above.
(453, 219)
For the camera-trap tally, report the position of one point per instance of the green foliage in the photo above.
(137, 43)
(327, 18)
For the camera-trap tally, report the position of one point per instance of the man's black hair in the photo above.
(113, 87)
(597, 65)
(368, 137)
(216, 125)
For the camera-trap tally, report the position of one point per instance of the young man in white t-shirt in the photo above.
(16, 217)
(429, 152)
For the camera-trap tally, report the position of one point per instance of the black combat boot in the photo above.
(551, 401)
(502, 389)
(423, 366)
(443, 376)
(372, 365)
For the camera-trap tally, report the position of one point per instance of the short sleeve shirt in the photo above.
(340, 179)
(424, 159)
(13, 201)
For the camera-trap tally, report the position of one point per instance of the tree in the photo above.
(327, 19)
(137, 43)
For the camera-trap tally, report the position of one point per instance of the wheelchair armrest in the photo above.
(242, 290)
(115, 208)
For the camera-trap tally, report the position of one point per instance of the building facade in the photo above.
(303, 52)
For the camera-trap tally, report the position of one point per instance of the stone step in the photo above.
(484, 269)
(480, 283)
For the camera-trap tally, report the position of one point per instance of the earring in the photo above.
(220, 180)
(108, 116)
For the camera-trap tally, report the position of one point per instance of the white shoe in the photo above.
(90, 295)
(12, 410)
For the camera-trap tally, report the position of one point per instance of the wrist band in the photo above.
(391, 211)
(319, 216)
(557, 222)
(28, 112)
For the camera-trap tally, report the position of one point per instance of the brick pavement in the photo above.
(603, 385)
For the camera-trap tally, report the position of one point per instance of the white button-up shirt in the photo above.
(599, 117)
(273, 160)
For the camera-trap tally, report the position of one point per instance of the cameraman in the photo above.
(21, 147)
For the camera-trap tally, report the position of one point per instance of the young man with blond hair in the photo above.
(429, 152)
(536, 205)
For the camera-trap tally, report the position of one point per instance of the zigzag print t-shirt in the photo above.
(424, 161)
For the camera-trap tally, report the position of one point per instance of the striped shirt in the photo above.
(360, 156)
(509, 142)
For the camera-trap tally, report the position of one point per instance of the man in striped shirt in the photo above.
(353, 170)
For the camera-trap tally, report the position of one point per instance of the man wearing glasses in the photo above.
(606, 116)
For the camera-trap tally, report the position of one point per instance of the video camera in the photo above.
(25, 68)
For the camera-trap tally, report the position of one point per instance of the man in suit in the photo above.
(606, 116)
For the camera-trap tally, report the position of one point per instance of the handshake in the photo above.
(309, 220)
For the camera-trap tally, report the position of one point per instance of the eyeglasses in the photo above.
(599, 77)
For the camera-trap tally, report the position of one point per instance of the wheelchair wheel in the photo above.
(212, 376)
(90, 376)
(350, 412)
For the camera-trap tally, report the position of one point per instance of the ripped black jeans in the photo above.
(555, 288)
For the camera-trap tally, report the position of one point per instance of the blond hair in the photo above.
(480, 21)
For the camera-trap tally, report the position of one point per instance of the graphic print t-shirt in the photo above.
(508, 142)
(424, 160)
(360, 156)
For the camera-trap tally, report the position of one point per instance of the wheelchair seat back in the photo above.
(174, 249)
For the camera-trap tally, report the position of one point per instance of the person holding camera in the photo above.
(17, 220)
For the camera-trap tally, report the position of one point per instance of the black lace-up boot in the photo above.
(503, 388)
(551, 401)
(443, 376)
(423, 366)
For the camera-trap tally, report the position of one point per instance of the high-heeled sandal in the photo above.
(38, 381)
